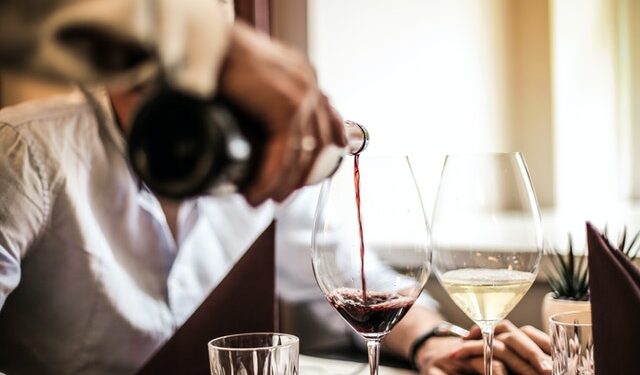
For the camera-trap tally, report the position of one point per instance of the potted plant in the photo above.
(629, 249)
(568, 276)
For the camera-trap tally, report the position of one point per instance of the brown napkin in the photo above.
(243, 302)
(615, 307)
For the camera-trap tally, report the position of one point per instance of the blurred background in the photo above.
(558, 80)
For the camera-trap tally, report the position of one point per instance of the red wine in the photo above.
(376, 314)
(356, 182)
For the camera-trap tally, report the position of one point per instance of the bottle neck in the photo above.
(329, 158)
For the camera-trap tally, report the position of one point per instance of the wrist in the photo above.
(425, 342)
(435, 351)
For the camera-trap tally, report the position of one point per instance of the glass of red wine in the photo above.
(370, 245)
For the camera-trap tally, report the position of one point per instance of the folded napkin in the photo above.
(243, 302)
(615, 307)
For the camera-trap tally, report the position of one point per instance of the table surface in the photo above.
(310, 365)
(356, 359)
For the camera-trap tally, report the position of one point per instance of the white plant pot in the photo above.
(551, 306)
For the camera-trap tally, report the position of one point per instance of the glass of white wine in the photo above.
(486, 237)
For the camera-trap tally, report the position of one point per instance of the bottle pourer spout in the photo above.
(357, 137)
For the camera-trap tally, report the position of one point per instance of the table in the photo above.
(322, 366)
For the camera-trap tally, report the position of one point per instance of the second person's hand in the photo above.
(523, 350)
(442, 355)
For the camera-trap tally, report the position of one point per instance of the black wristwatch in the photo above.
(442, 329)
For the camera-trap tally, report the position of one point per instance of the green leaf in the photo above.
(568, 276)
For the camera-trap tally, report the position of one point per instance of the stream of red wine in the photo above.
(356, 182)
(370, 313)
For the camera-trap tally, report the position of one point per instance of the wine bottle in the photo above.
(183, 146)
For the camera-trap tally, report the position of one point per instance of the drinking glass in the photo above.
(254, 354)
(370, 245)
(572, 343)
(486, 237)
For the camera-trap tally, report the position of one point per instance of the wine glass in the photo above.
(370, 245)
(486, 237)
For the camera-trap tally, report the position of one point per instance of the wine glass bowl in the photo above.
(486, 236)
(371, 255)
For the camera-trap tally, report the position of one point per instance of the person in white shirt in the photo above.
(93, 278)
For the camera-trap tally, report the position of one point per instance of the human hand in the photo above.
(278, 86)
(523, 350)
(438, 356)
(520, 351)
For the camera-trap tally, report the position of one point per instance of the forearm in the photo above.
(417, 322)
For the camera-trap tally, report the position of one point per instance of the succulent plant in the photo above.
(629, 248)
(569, 273)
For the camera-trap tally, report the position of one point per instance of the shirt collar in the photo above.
(99, 101)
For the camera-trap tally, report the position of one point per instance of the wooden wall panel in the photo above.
(255, 12)
(289, 23)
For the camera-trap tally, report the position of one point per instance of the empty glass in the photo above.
(572, 343)
(254, 354)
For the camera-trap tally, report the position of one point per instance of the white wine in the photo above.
(486, 295)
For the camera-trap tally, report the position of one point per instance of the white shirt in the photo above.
(94, 280)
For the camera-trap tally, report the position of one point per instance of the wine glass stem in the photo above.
(487, 339)
(373, 348)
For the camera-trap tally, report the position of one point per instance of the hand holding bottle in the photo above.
(268, 131)
(278, 86)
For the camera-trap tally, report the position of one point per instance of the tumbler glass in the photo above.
(254, 354)
(572, 343)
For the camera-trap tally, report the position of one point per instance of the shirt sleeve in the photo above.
(106, 41)
(24, 204)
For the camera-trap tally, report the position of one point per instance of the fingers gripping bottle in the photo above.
(182, 146)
